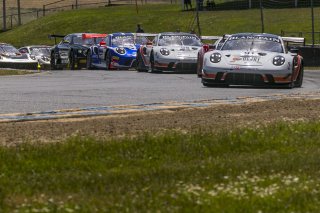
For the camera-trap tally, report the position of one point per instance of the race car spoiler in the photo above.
(294, 40)
(55, 37)
(210, 37)
(145, 34)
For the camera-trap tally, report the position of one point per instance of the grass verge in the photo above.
(269, 169)
(14, 72)
(159, 18)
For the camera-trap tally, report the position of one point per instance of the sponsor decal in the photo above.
(181, 37)
(250, 37)
(115, 58)
(246, 58)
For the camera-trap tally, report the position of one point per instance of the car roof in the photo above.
(36, 46)
(121, 34)
(177, 33)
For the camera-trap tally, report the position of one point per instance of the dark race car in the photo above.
(71, 52)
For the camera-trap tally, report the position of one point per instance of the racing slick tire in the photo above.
(108, 61)
(89, 62)
(139, 66)
(72, 61)
(153, 70)
(299, 80)
(53, 65)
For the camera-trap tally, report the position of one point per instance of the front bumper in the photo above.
(176, 64)
(247, 76)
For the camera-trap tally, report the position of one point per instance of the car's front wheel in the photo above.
(72, 61)
(108, 61)
(53, 65)
(299, 80)
(140, 67)
(89, 61)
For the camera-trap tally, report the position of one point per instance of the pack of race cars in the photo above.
(258, 59)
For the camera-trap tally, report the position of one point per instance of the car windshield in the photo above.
(40, 50)
(8, 49)
(122, 40)
(179, 40)
(253, 43)
(87, 41)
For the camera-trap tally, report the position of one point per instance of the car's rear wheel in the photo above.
(299, 80)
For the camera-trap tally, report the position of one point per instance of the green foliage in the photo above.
(158, 18)
(269, 169)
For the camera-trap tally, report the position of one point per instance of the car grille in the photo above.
(64, 53)
(244, 79)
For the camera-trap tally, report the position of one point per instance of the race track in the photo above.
(56, 90)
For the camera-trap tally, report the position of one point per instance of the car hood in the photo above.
(14, 55)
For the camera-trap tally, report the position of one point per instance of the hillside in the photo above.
(159, 18)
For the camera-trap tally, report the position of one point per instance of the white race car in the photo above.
(41, 53)
(10, 57)
(170, 52)
(257, 59)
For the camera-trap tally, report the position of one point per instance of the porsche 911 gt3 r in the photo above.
(118, 52)
(72, 51)
(253, 59)
(10, 57)
(170, 51)
(41, 53)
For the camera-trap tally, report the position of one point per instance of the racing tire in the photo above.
(153, 70)
(139, 66)
(53, 65)
(89, 62)
(108, 61)
(72, 61)
(299, 80)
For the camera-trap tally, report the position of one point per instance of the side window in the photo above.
(67, 38)
(108, 41)
(23, 50)
(154, 42)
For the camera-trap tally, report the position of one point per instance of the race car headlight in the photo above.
(120, 50)
(164, 51)
(278, 60)
(215, 57)
(45, 58)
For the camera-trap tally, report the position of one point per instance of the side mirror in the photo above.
(102, 43)
(206, 48)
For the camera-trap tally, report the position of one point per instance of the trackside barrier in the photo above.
(311, 55)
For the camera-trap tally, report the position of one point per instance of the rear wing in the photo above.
(55, 37)
(144, 38)
(294, 40)
(211, 37)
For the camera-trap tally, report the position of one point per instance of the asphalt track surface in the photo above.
(58, 90)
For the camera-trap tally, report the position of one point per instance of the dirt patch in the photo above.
(214, 118)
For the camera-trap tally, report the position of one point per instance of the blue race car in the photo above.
(119, 51)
